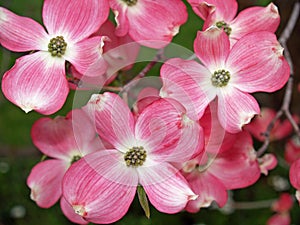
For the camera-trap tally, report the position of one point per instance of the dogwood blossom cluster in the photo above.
(181, 146)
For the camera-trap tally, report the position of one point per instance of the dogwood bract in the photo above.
(255, 63)
(150, 23)
(101, 186)
(222, 14)
(228, 162)
(37, 81)
(65, 140)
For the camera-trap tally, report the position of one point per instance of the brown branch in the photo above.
(112, 88)
(158, 57)
(284, 110)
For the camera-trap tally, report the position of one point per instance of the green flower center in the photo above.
(130, 2)
(224, 26)
(135, 156)
(220, 78)
(75, 158)
(57, 46)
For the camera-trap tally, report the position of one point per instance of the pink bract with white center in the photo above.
(222, 14)
(151, 23)
(101, 186)
(37, 81)
(228, 162)
(228, 75)
(65, 140)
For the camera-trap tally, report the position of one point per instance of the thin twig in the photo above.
(112, 88)
(254, 205)
(158, 57)
(284, 110)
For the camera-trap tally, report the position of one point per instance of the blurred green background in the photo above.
(18, 155)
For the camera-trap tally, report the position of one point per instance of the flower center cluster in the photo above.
(57, 46)
(224, 26)
(130, 2)
(220, 78)
(135, 156)
(75, 158)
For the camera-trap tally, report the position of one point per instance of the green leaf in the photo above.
(143, 200)
(44, 157)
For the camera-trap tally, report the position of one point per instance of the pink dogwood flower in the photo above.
(226, 74)
(151, 23)
(101, 186)
(65, 140)
(228, 162)
(222, 14)
(37, 81)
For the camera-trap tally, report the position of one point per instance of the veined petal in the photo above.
(113, 120)
(37, 82)
(212, 48)
(202, 8)
(189, 83)
(145, 98)
(70, 213)
(235, 109)
(64, 138)
(225, 10)
(255, 19)
(168, 133)
(157, 125)
(103, 161)
(120, 18)
(209, 189)
(84, 133)
(190, 144)
(100, 187)
(237, 167)
(119, 52)
(166, 17)
(86, 56)
(54, 138)
(76, 19)
(45, 181)
(268, 71)
(21, 34)
(166, 188)
(216, 138)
